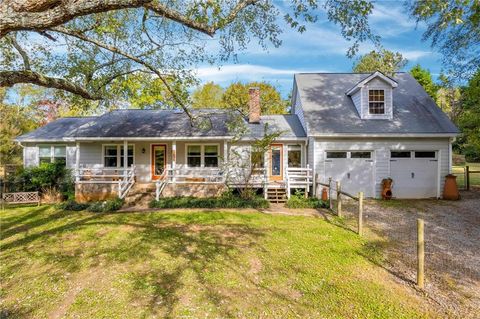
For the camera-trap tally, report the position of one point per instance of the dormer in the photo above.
(372, 96)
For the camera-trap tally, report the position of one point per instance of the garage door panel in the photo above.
(414, 177)
(355, 175)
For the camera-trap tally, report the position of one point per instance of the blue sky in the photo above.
(322, 49)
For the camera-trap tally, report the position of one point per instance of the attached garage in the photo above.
(354, 169)
(414, 173)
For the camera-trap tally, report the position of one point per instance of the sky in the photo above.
(322, 49)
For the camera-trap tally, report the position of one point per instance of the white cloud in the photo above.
(414, 55)
(247, 72)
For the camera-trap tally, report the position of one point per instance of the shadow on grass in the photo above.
(195, 242)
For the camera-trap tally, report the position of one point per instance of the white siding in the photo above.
(357, 101)
(377, 84)
(381, 148)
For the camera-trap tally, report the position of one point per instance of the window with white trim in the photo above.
(202, 155)
(376, 101)
(52, 154)
(113, 155)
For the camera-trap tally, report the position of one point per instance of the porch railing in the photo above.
(298, 177)
(125, 178)
(126, 183)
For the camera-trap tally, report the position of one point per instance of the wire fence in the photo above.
(451, 255)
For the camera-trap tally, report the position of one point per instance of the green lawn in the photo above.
(474, 178)
(190, 265)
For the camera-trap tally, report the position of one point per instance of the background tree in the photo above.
(87, 47)
(385, 61)
(424, 77)
(453, 27)
(271, 102)
(449, 98)
(469, 120)
(208, 95)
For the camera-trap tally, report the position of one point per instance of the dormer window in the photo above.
(376, 101)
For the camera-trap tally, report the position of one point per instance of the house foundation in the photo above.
(88, 192)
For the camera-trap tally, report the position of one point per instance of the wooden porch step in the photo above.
(277, 195)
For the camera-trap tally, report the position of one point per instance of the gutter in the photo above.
(386, 135)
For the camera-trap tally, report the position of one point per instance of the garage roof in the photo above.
(329, 110)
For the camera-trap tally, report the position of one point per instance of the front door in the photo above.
(159, 161)
(276, 162)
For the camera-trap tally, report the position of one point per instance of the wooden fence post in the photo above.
(420, 254)
(467, 176)
(360, 213)
(330, 205)
(339, 199)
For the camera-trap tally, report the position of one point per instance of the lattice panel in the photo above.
(25, 197)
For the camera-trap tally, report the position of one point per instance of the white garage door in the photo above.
(354, 169)
(414, 173)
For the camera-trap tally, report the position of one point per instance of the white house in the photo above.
(355, 128)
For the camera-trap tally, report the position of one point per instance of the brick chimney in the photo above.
(254, 105)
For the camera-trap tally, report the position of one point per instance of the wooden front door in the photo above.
(276, 162)
(159, 161)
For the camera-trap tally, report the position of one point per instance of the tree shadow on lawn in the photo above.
(195, 241)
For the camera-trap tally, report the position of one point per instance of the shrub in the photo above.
(299, 201)
(110, 205)
(225, 201)
(44, 178)
(72, 205)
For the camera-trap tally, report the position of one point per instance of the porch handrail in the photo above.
(127, 182)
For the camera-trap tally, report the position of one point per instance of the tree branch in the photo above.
(51, 13)
(10, 78)
(15, 18)
(26, 61)
(129, 56)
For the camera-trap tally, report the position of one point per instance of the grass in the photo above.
(192, 264)
(474, 178)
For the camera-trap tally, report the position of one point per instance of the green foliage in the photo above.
(424, 77)
(72, 205)
(208, 95)
(469, 120)
(46, 176)
(236, 97)
(298, 200)
(110, 205)
(225, 201)
(385, 61)
(453, 27)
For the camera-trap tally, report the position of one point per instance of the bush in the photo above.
(225, 201)
(110, 205)
(72, 205)
(44, 178)
(299, 201)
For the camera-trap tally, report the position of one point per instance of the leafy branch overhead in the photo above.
(111, 50)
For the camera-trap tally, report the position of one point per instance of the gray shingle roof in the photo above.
(328, 110)
(155, 123)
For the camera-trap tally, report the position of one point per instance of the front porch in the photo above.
(182, 168)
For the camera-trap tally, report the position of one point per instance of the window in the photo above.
(52, 153)
(400, 154)
(294, 156)
(211, 155)
(376, 101)
(336, 154)
(202, 155)
(425, 154)
(194, 155)
(113, 155)
(360, 154)
(257, 160)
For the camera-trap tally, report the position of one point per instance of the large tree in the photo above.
(208, 95)
(453, 27)
(424, 77)
(271, 102)
(87, 47)
(385, 61)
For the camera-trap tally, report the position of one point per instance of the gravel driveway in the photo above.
(452, 247)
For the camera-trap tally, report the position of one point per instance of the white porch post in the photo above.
(174, 159)
(77, 162)
(125, 158)
(225, 160)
